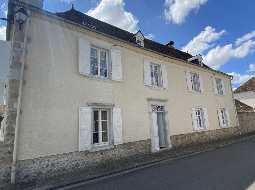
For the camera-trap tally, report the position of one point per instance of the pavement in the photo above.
(228, 168)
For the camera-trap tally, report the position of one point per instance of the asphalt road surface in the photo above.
(229, 168)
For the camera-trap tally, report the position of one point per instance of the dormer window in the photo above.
(139, 38)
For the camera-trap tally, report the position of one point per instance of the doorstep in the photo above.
(130, 164)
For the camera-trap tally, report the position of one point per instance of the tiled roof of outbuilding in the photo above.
(247, 86)
(242, 107)
(83, 19)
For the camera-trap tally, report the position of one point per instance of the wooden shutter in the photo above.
(154, 135)
(116, 65)
(201, 81)
(206, 118)
(223, 86)
(85, 121)
(228, 118)
(214, 85)
(147, 73)
(84, 57)
(188, 80)
(164, 76)
(194, 119)
(117, 126)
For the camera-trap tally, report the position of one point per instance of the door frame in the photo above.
(154, 144)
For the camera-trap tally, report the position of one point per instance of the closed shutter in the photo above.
(84, 57)
(117, 126)
(85, 120)
(214, 85)
(188, 80)
(220, 118)
(147, 73)
(228, 118)
(194, 119)
(164, 76)
(206, 118)
(154, 135)
(201, 81)
(116, 65)
(223, 87)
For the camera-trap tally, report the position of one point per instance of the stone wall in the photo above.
(247, 122)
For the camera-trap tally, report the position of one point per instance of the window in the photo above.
(200, 118)
(219, 86)
(223, 117)
(99, 62)
(195, 82)
(156, 75)
(100, 124)
(139, 42)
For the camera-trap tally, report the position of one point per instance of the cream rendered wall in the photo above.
(54, 90)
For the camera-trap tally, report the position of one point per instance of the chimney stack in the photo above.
(170, 44)
(35, 3)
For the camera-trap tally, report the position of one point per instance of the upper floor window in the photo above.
(195, 82)
(219, 86)
(223, 117)
(99, 62)
(156, 75)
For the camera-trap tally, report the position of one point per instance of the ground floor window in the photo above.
(200, 118)
(223, 117)
(100, 126)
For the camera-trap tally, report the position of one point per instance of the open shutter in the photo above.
(201, 81)
(188, 80)
(84, 57)
(214, 85)
(154, 136)
(223, 86)
(228, 118)
(206, 118)
(164, 76)
(116, 65)
(194, 119)
(220, 118)
(85, 120)
(147, 73)
(117, 126)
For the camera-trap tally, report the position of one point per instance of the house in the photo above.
(91, 92)
(246, 92)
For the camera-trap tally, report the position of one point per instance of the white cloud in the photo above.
(113, 12)
(203, 41)
(177, 10)
(150, 36)
(220, 55)
(2, 32)
(3, 9)
(245, 38)
(239, 78)
(251, 68)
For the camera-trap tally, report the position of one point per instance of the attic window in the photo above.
(139, 38)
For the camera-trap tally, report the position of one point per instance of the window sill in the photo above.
(195, 92)
(219, 95)
(155, 87)
(96, 148)
(102, 79)
(200, 130)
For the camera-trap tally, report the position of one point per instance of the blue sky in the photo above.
(222, 31)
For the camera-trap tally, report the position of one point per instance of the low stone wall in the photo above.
(43, 168)
(204, 136)
(247, 122)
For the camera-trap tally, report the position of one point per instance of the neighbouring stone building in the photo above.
(246, 92)
(82, 91)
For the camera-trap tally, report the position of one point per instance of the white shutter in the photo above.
(194, 119)
(201, 83)
(206, 118)
(85, 121)
(164, 76)
(220, 118)
(214, 85)
(84, 57)
(228, 118)
(147, 73)
(154, 136)
(116, 65)
(188, 80)
(117, 126)
(223, 87)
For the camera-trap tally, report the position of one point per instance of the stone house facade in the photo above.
(86, 91)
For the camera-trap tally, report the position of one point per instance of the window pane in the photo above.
(103, 64)
(95, 138)
(104, 115)
(104, 137)
(104, 125)
(95, 127)
(94, 62)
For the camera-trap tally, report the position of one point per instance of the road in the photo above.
(229, 168)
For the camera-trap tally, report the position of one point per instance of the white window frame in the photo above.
(202, 118)
(99, 50)
(193, 84)
(153, 79)
(224, 117)
(100, 131)
(219, 91)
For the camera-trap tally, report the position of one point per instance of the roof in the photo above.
(83, 19)
(247, 86)
(242, 107)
